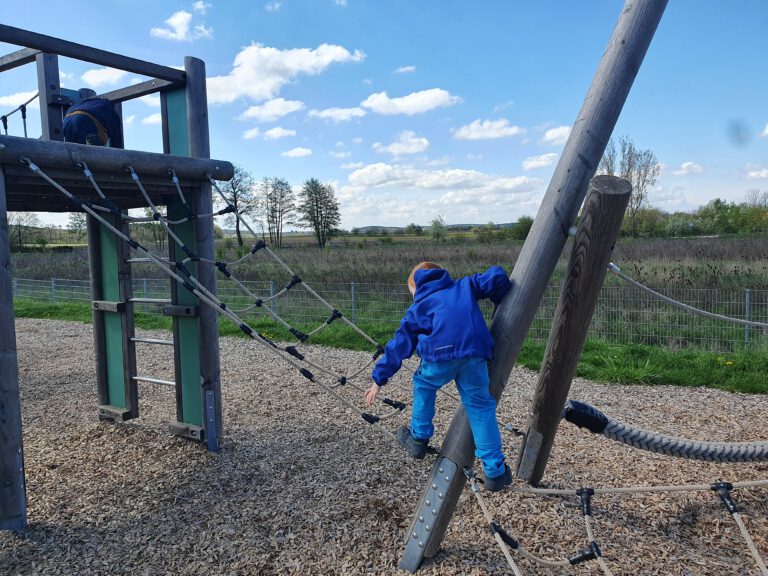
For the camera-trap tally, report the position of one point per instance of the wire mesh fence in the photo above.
(624, 315)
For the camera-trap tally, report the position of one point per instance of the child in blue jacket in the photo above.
(445, 326)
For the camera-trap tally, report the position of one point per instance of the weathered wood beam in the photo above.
(538, 257)
(599, 226)
(137, 90)
(67, 155)
(60, 47)
(18, 58)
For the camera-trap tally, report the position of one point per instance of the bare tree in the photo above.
(239, 194)
(21, 228)
(276, 206)
(639, 167)
(318, 209)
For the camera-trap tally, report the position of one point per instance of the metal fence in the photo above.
(624, 315)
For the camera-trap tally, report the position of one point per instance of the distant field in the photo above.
(735, 263)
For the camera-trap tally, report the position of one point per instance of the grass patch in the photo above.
(741, 371)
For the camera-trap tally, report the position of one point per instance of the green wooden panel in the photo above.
(187, 329)
(113, 326)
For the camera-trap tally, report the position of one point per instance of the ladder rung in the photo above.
(151, 300)
(139, 260)
(154, 381)
(153, 341)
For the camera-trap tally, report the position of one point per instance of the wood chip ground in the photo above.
(303, 486)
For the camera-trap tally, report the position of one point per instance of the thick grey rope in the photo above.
(586, 416)
(616, 271)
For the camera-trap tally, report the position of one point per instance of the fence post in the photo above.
(53, 289)
(746, 315)
(14, 287)
(272, 295)
(146, 295)
(354, 303)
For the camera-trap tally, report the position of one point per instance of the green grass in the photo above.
(741, 371)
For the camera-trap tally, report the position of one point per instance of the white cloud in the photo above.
(487, 129)
(338, 114)
(153, 119)
(340, 155)
(408, 143)
(13, 100)
(556, 136)
(688, 168)
(260, 72)
(272, 6)
(405, 70)
(200, 6)
(251, 133)
(764, 133)
(152, 100)
(297, 153)
(413, 103)
(340, 2)
(128, 120)
(757, 174)
(278, 132)
(273, 110)
(98, 77)
(499, 107)
(352, 165)
(533, 162)
(357, 140)
(178, 28)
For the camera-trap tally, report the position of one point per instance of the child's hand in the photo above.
(371, 393)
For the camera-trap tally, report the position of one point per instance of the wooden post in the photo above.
(51, 118)
(202, 203)
(601, 219)
(533, 269)
(13, 501)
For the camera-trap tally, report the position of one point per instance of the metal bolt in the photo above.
(447, 479)
(439, 494)
(421, 518)
(440, 469)
(415, 535)
(434, 486)
(428, 503)
(434, 512)
(427, 527)
(421, 544)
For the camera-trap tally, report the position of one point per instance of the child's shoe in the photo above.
(416, 448)
(500, 482)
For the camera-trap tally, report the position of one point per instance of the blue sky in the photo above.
(414, 109)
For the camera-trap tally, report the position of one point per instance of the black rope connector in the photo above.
(293, 352)
(723, 490)
(133, 244)
(228, 210)
(342, 380)
(191, 216)
(268, 340)
(335, 315)
(181, 267)
(379, 351)
(469, 472)
(396, 404)
(4, 120)
(506, 538)
(370, 418)
(222, 266)
(247, 330)
(258, 246)
(189, 287)
(295, 280)
(307, 374)
(585, 416)
(586, 500)
(591, 553)
(156, 216)
(192, 256)
(259, 302)
(223, 305)
(299, 334)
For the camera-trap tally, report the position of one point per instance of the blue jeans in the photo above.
(471, 376)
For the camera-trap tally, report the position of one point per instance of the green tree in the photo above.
(486, 234)
(639, 167)
(437, 230)
(238, 192)
(77, 225)
(318, 210)
(21, 228)
(414, 229)
(521, 228)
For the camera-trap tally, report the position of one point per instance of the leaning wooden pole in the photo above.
(533, 269)
(13, 501)
(599, 226)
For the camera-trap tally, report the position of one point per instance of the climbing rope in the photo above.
(589, 417)
(20, 108)
(616, 271)
(593, 552)
(185, 278)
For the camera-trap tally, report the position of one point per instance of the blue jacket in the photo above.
(444, 322)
